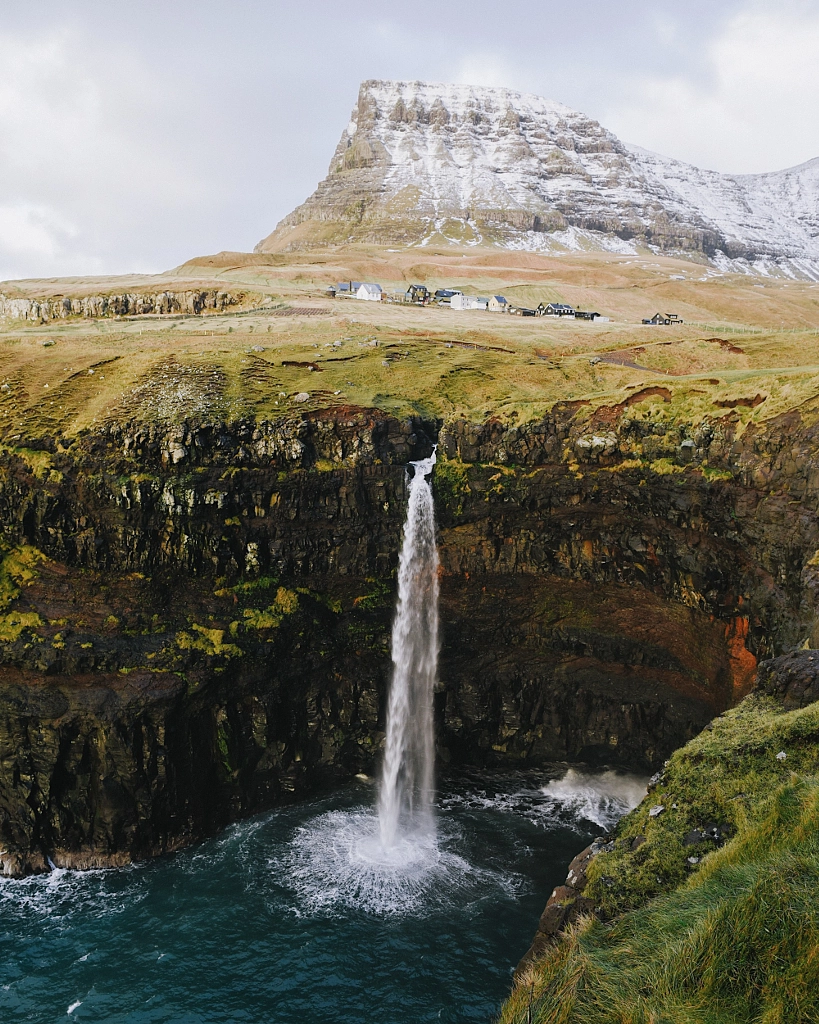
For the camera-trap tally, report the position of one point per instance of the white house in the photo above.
(459, 301)
(369, 292)
(498, 304)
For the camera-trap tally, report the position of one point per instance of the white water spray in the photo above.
(407, 783)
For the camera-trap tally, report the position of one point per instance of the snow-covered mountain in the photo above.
(474, 165)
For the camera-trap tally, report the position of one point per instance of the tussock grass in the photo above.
(736, 938)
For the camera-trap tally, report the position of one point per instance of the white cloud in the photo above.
(753, 111)
(33, 230)
(79, 152)
(484, 68)
(133, 136)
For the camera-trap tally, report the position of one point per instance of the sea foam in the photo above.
(337, 863)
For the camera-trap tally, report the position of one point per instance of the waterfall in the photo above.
(407, 782)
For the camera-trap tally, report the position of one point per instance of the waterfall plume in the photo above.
(407, 781)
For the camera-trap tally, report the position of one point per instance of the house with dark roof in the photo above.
(664, 318)
(417, 293)
(498, 304)
(555, 309)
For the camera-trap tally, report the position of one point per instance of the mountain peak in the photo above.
(483, 165)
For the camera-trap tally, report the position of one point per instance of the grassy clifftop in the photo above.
(709, 904)
(748, 348)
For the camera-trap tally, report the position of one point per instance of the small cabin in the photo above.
(498, 304)
(584, 314)
(522, 311)
(663, 318)
(369, 292)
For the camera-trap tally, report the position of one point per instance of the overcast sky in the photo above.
(134, 135)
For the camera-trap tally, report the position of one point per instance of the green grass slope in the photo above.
(731, 938)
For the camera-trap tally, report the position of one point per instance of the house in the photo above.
(498, 304)
(443, 296)
(555, 309)
(418, 293)
(582, 314)
(522, 311)
(461, 301)
(347, 289)
(369, 292)
(664, 318)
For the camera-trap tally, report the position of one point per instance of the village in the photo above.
(453, 298)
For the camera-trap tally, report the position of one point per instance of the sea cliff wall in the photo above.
(195, 620)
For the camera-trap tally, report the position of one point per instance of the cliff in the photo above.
(195, 615)
(135, 303)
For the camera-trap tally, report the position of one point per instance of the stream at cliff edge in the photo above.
(274, 922)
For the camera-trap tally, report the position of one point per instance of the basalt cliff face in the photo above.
(475, 165)
(194, 620)
(136, 303)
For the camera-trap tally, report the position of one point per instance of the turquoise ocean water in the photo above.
(288, 917)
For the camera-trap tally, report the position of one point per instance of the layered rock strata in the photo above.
(195, 618)
(473, 165)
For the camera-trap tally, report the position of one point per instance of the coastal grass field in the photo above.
(749, 345)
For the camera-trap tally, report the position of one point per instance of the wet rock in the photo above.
(793, 678)
(555, 585)
(566, 905)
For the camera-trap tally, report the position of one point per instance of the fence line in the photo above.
(732, 329)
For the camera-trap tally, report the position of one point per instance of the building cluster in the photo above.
(420, 295)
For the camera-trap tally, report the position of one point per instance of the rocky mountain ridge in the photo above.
(421, 163)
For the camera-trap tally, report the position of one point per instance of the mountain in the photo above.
(419, 163)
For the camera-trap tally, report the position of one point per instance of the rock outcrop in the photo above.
(471, 165)
(59, 307)
(792, 679)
